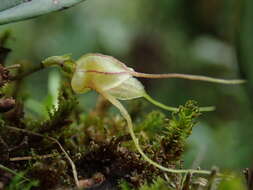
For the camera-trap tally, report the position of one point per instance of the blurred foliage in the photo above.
(18, 183)
(236, 183)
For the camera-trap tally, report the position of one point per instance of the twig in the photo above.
(23, 75)
(15, 66)
(21, 145)
(33, 157)
(57, 142)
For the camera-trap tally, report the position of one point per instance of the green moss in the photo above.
(158, 184)
(153, 123)
(178, 129)
(58, 117)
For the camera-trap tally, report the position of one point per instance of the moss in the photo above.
(58, 117)
(158, 184)
(99, 144)
(178, 129)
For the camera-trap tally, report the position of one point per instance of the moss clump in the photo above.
(99, 144)
(178, 129)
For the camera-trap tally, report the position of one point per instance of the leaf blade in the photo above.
(33, 8)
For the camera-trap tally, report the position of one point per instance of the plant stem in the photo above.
(13, 172)
(174, 109)
(23, 158)
(125, 114)
(25, 74)
(159, 104)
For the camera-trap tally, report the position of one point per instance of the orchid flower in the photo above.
(115, 81)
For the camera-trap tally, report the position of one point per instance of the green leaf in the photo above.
(17, 10)
(6, 4)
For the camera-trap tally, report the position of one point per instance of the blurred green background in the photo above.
(207, 37)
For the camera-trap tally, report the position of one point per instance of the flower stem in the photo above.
(174, 109)
(126, 115)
